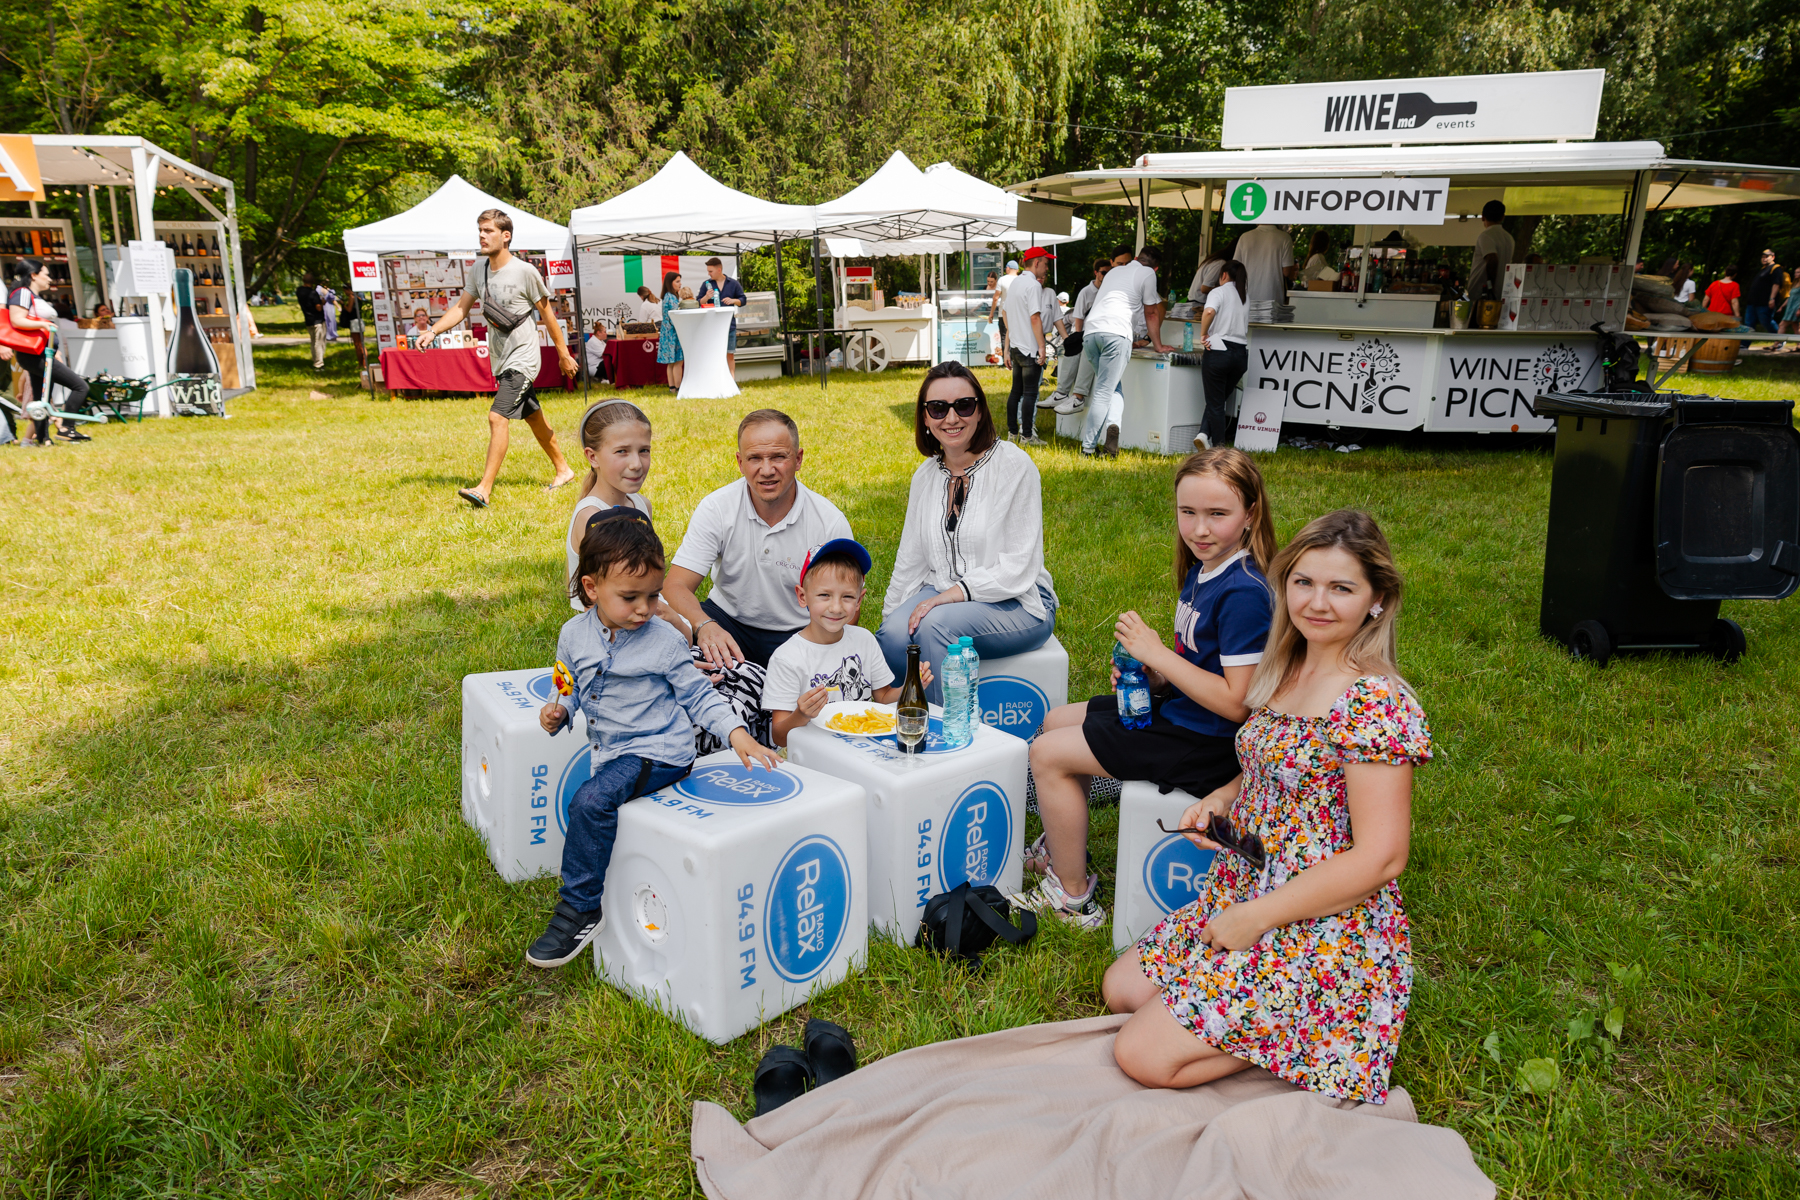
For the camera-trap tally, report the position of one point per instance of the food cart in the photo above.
(1422, 157)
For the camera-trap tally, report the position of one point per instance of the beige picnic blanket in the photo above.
(1043, 1111)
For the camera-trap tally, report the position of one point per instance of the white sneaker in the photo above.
(1052, 400)
(1034, 440)
(1200, 442)
(1049, 898)
(1073, 404)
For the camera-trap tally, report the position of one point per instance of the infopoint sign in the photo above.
(1336, 201)
(808, 908)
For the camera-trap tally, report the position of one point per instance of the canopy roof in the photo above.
(445, 220)
(683, 210)
(967, 191)
(73, 161)
(1532, 178)
(900, 202)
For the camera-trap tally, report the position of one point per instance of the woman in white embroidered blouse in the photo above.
(971, 559)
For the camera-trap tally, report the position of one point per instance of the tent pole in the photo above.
(581, 334)
(1206, 220)
(1143, 203)
(821, 364)
(99, 242)
(787, 348)
(1634, 231)
(968, 281)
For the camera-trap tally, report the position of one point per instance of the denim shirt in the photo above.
(640, 691)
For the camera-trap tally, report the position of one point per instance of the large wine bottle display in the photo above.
(189, 351)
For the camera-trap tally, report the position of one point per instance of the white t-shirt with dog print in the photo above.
(853, 665)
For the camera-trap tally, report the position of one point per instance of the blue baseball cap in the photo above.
(848, 546)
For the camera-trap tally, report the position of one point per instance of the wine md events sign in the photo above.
(1336, 201)
(1537, 106)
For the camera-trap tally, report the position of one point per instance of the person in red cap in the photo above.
(1028, 347)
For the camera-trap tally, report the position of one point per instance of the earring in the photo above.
(1375, 611)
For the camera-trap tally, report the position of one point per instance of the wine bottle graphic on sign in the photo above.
(189, 351)
(1411, 109)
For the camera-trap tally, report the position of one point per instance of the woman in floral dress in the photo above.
(668, 344)
(1303, 967)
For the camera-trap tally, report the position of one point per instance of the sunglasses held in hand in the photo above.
(966, 406)
(1219, 830)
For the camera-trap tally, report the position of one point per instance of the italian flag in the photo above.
(643, 270)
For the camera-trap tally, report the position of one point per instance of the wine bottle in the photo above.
(215, 246)
(910, 713)
(189, 351)
(1411, 109)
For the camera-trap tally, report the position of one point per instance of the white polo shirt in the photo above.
(754, 565)
(1023, 298)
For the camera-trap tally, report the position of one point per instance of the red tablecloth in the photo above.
(633, 363)
(463, 370)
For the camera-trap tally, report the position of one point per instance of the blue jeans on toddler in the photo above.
(594, 822)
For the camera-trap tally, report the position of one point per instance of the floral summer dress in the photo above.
(1319, 1002)
(668, 344)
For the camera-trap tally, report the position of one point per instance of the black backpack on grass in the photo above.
(964, 921)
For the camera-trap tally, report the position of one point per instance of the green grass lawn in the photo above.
(248, 947)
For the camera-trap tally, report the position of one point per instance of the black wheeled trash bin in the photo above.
(1660, 507)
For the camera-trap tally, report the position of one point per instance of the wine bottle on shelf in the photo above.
(189, 351)
(215, 245)
(911, 716)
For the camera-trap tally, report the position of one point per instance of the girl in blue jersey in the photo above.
(1225, 538)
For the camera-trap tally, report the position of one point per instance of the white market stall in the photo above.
(134, 344)
(1356, 360)
(682, 212)
(420, 260)
(931, 215)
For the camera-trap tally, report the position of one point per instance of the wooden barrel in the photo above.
(1716, 356)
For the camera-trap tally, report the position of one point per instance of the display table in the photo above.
(631, 363)
(706, 375)
(460, 370)
(907, 334)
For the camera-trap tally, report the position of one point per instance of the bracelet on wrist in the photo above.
(703, 625)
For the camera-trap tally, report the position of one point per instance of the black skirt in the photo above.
(1163, 753)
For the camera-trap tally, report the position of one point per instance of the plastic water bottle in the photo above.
(1187, 337)
(1132, 690)
(972, 664)
(956, 698)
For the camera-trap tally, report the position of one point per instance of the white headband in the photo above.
(596, 407)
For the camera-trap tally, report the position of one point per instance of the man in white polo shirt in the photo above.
(1128, 291)
(1028, 345)
(752, 536)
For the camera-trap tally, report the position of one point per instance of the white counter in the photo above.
(1388, 310)
(910, 333)
(92, 351)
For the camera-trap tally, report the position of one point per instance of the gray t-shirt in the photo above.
(514, 289)
(1266, 252)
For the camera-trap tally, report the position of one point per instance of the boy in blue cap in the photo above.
(833, 653)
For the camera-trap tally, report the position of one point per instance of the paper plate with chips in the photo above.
(857, 718)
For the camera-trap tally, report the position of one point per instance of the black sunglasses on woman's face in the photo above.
(966, 406)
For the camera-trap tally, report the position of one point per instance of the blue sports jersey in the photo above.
(1222, 621)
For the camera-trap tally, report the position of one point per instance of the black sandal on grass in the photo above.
(472, 496)
(783, 1074)
(831, 1051)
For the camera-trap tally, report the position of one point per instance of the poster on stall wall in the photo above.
(1488, 384)
(1350, 378)
(365, 273)
(609, 282)
(1259, 419)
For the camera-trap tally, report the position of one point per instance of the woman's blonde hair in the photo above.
(1372, 651)
(598, 419)
(1239, 472)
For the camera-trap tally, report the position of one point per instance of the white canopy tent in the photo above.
(683, 210)
(899, 202)
(445, 221)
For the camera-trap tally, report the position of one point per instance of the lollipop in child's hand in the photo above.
(563, 680)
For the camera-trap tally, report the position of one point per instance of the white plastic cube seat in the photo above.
(934, 819)
(517, 780)
(1157, 872)
(1017, 692)
(735, 893)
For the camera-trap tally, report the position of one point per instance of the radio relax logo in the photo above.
(1012, 705)
(1390, 110)
(808, 908)
(1173, 872)
(975, 837)
(734, 783)
(577, 771)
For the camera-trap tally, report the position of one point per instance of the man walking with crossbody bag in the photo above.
(509, 288)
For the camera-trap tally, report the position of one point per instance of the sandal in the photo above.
(472, 496)
(831, 1051)
(783, 1074)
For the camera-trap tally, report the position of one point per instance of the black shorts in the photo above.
(1163, 752)
(516, 397)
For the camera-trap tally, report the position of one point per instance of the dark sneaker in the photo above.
(568, 935)
(1112, 441)
(71, 434)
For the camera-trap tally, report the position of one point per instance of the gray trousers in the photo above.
(1074, 376)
